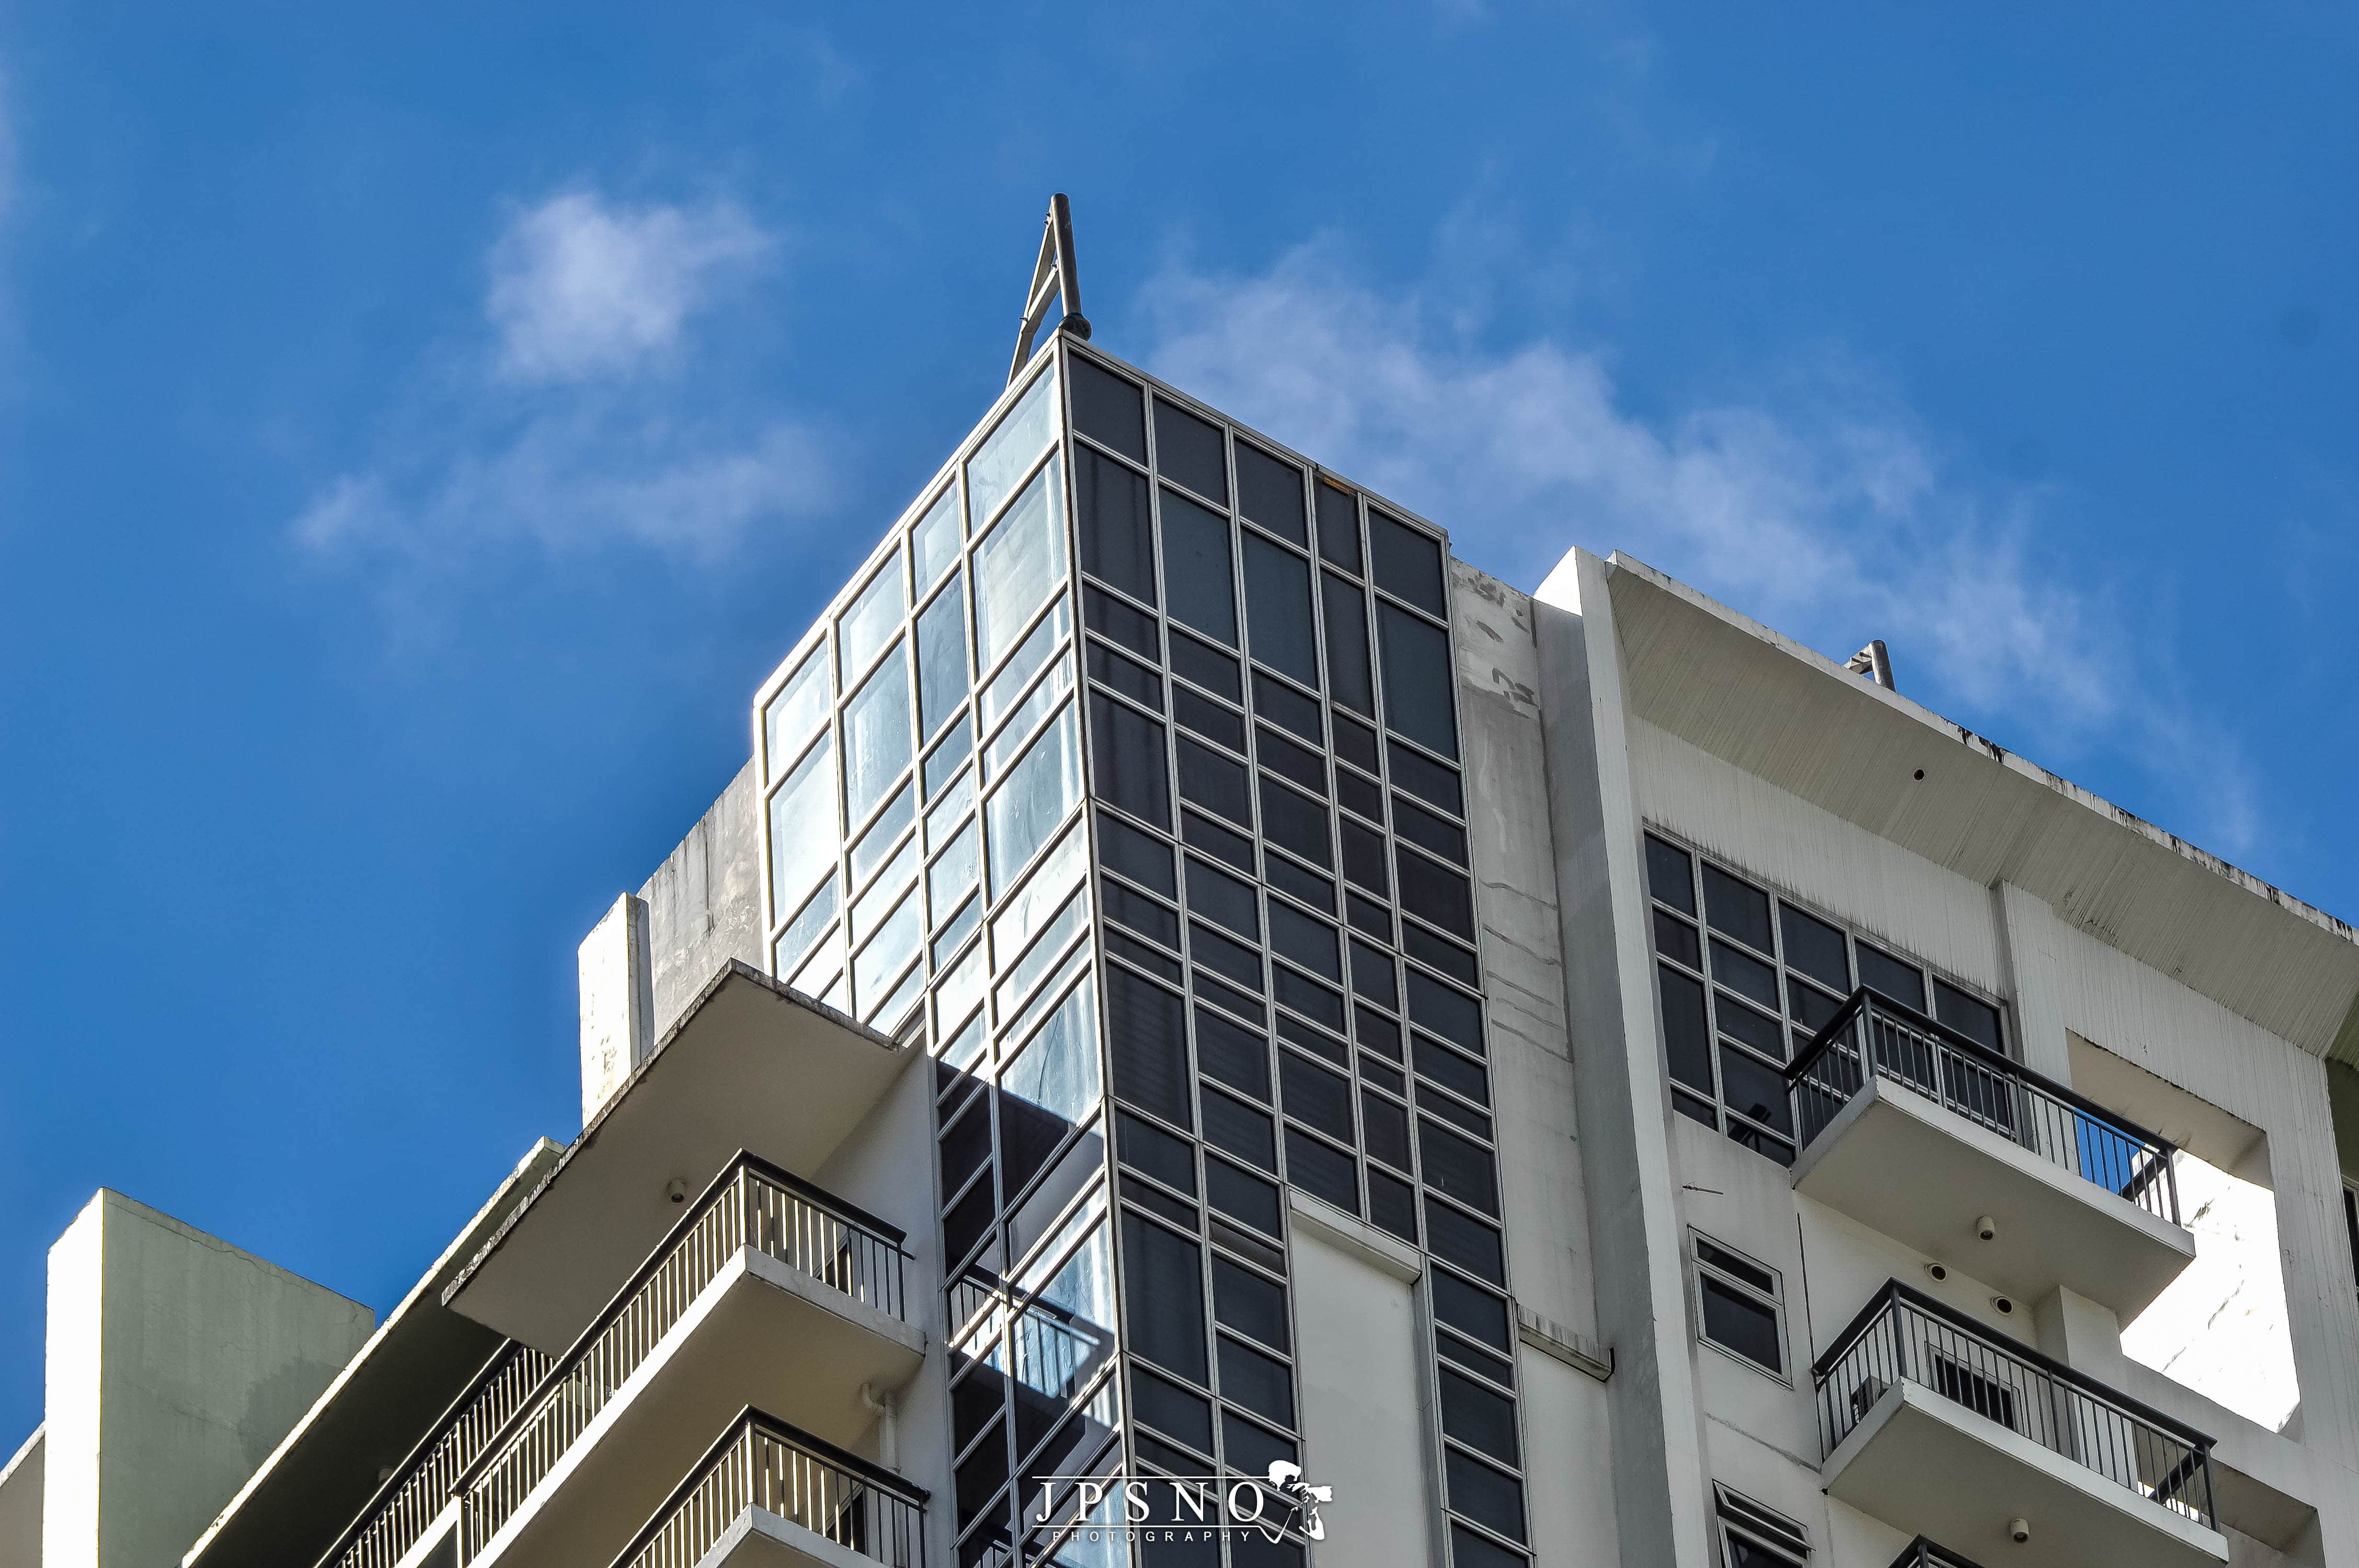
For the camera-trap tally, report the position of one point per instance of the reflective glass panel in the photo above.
(1196, 567)
(877, 735)
(1008, 453)
(804, 831)
(797, 938)
(1277, 609)
(934, 542)
(953, 875)
(942, 657)
(1018, 562)
(1008, 684)
(796, 711)
(1044, 696)
(873, 617)
(880, 835)
(882, 960)
(1032, 800)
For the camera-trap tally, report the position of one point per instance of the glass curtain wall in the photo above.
(1129, 770)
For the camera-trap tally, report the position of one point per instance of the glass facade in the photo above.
(1131, 763)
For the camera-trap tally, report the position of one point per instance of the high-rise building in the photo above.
(1209, 1029)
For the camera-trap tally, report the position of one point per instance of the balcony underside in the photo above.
(750, 1066)
(760, 1539)
(763, 1332)
(1922, 1174)
(1927, 1466)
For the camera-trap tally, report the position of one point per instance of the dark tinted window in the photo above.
(1737, 1322)
(1214, 671)
(1316, 1096)
(1356, 743)
(1126, 755)
(1251, 1451)
(1214, 782)
(1322, 1170)
(1418, 677)
(1295, 824)
(1374, 974)
(1815, 948)
(1451, 1070)
(1458, 1166)
(1165, 1301)
(1126, 675)
(1468, 1550)
(1759, 1092)
(1249, 1304)
(1740, 972)
(1235, 1127)
(1189, 450)
(1308, 942)
(1108, 616)
(1253, 1381)
(1668, 877)
(1879, 970)
(1145, 1147)
(1448, 957)
(1269, 491)
(1107, 408)
(1461, 1239)
(1419, 825)
(1353, 793)
(1142, 915)
(1209, 719)
(1277, 609)
(1454, 1015)
(1196, 567)
(1339, 526)
(1213, 951)
(1168, 1408)
(1970, 1016)
(1233, 1054)
(1223, 898)
(1146, 1030)
(1675, 938)
(1386, 1126)
(1309, 997)
(1687, 1039)
(1217, 841)
(1737, 908)
(1377, 1033)
(1299, 764)
(1407, 563)
(1485, 1496)
(1364, 859)
(1282, 704)
(1141, 857)
(1239, 1196)
(1740, 1023)
(1477, 1417)
(1117, 533)
(1441, 896)
(1478, 1314)
(1393, 1204)
(1428, 780)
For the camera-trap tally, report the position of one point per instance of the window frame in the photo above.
(1698, 1267)
(1758, 1526)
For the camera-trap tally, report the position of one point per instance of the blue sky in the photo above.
(420, 433)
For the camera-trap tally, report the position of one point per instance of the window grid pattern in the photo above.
(1288, 931)
(1746, 976)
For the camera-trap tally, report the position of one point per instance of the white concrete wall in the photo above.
(176, 1362)
(1360, 1361)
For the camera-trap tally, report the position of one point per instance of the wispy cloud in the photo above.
(1821, 505)
(575, 423)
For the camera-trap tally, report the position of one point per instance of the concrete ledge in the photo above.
(1377, 1249)
(1550, 1338)
(759, 1539)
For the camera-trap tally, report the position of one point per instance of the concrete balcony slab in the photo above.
(762, 1333)
(1928, 1465)
(750, 1066)
(1903, 1164)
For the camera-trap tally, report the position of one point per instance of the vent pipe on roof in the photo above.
(1054, 278)
(1874, 663)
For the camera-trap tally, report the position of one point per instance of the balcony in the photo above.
(1917, 1132)
(1939, 1426)
(1923, 1553)
(407, 1505)
(768, 1494)
(765, 1287)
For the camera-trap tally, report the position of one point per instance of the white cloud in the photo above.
(550, 435)
(583, 288)
(1821, 506)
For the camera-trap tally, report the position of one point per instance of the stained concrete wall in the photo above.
(704, 903)
(20, 1502)
(176, 1362)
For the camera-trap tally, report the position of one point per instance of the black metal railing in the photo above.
(761, 1462)
(1923, 1553)
(1873, 1035)
(751, 1203)
(1904, 1336)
